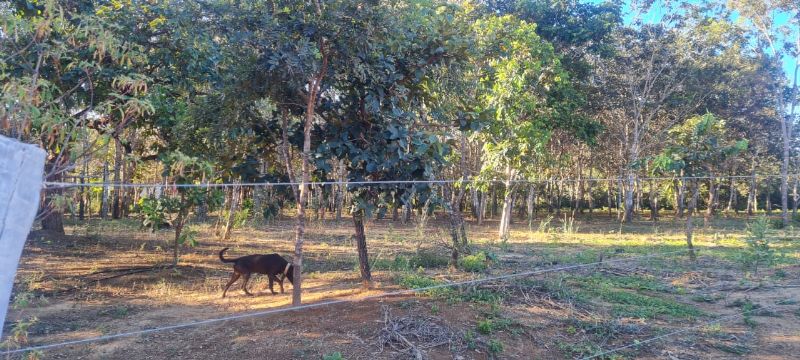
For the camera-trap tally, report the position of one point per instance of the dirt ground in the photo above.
(99, 280)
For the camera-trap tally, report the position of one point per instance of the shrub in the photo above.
(758, 251)
(474, 263)
(776, 224)
(333, 356)
(270, 211)
(427, 260)
(495, 346)
(417, 281)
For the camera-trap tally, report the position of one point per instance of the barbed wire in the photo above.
(682, 330)
(61, 184)
(332, 302)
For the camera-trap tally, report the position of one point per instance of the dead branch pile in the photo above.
(411, 335)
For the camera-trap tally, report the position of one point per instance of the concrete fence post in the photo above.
(21, 171)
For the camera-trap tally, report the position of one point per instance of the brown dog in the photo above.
(272, 265)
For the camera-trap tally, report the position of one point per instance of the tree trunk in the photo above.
(768, 200)
(180, 221)
(104, 194)
(784, 172)
(608, 197)
(653, 201)
(795, 198)
(53, 221)
(689, 224)
(340, 189)
(82, 194)
(116, 207)
(396, 209)
(681, 195)
(787, 129)
(711, 209)
(531, 204)
(637, 208)
(508, 203)
(361, 244)
(629, 189)
(482, 207)
(235, 193)
(314, 86)
(202, 208)
(590, 190)
(128, 169)
(581, 191)
(731, 195)
(476, 202)
(751, 197)
(494, 201)
(619, 200)
(559, 195)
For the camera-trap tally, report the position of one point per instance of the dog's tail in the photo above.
(223, 259)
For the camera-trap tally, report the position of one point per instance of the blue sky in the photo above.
(656, 13)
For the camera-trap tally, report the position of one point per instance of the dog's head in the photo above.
(290, 274)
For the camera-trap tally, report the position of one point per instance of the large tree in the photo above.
(779, 40)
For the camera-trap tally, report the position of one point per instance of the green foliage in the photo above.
(156, 211)
(495, 346)
(748, 309)
(333, 356)
(417, 281)
(241, 216)
(758, 252)
(477, 262)
(422, 259)
(492, 325)
(627, 301)
(18, 336)
(700, 145)
(270, 211)
(188, 237)
(470, 340)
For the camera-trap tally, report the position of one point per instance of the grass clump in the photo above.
(478, 262)
(622, 293)
(333, 356)
(421, 259)
(419, 280)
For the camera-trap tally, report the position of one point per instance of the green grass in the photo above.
(421, 259)
(624, 295)
(418, 280)
(474, 263)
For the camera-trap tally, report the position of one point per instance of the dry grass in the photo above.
(72, 286)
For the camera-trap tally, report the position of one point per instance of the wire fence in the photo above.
(335, 302)
(684, 330)
(404, 219)
(77, 183)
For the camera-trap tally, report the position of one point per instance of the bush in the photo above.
(428, 260)
(758, 251)
(333, 356)
(474, 263)
(776, 224)
(270, 211)
(495, 346)
(417, 281)
(240, 217)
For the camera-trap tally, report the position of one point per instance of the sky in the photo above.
(656, 13)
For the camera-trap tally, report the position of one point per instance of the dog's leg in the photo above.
(234, 277)
(244, 286)
(271, 280)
